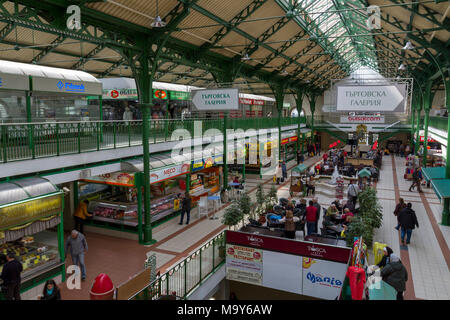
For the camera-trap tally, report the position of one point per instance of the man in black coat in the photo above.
(407, 220)
(11, 277)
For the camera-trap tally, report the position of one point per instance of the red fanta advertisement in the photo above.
(245, 101)
(290, 139)
(422, 138)
(258, 102)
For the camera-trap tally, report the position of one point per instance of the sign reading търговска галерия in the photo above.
(370, 98)
(216, 99)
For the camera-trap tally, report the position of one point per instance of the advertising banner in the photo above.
(179, 95)
(371, 98)
(114, 178)
(120, 94)
(216, 99)
(322, 279)
(28, 211)
(362, 119)
(246, 101)
(66, 86)
(244, 264)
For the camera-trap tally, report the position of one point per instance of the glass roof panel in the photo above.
(340, 27)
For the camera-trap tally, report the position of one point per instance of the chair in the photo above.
(203, 206)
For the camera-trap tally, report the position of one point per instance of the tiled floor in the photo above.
(122, 258)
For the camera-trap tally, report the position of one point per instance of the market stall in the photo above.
(31, 227)
(119, 206)
(289, 145)
(34, 93)
(298, 178)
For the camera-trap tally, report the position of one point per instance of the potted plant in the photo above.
(233, 214)
(245, 203)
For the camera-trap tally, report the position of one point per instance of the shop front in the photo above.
(289, 146)
(32, 93)
(115, 200)
(31, 227)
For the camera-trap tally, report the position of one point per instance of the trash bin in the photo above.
(102, 288)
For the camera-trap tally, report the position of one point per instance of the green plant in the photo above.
(369, 208)
(246, 204)
(358, 227)
(233, 214)
(260, 195)
(273, 194)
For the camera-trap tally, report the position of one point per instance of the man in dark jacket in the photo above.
(11, 277)
(417, 177)
(395, 274)
(186, 208)
(407, 220)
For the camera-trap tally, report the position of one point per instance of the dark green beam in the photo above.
(86, 58)
(59, 39)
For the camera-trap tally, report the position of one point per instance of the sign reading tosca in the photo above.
(216, 99)
(369, 98)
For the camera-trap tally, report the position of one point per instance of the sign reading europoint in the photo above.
(371, 98)
(216, 99)
(362, 119)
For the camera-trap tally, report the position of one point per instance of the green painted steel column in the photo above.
(60, 231)
(30, 118)
(445, 213)
(416, 145)
(225, 153)
(138, 185)
(428, 97)
(243, 165)
(100, 100)
(413, 116)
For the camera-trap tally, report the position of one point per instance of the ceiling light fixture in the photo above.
(158, 23)
(402, 67)
(284, 72)
(408, 46)
(245, 57)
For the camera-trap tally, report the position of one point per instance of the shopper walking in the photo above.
(278, 173)
(11, 277)
(77, 246)
(284, 170)
(317, 206)
(310, 186)
(80, 215)
(395, 274)
(352, 192)
(311, 216)
(186, 208)
(417, 177)
(407, 220)
(50, 291)
(399, 207)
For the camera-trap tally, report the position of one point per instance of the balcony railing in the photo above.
(182, 279)
(23, 141)
(440, 123)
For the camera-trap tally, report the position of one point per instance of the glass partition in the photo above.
(12, 106)
(63, 107)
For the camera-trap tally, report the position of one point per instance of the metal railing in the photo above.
(440, 123)
(187, 275)
(23, 141)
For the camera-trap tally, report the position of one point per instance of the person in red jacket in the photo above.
(311, 217)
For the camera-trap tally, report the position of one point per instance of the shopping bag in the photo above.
(378, 251)
(380, 290)
(274, 179)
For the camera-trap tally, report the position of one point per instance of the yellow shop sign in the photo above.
(27, 211)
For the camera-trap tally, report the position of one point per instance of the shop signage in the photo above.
(301, 248)
(286, 105)
(288, 140)
(371, 98)
(14, 81)
(66, 86)
(422, 138)
(206, 163)
(362, 119)
(168, 172)
(114, 178)
(160, 94)
(258, 102)
(120, 94)
(246, 101)
(28, 211)
(322, 279)
(216, 99)
(244, 264)
(179, 95)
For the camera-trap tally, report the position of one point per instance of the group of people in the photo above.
(406, 220)
(313, 149)
(281, 172)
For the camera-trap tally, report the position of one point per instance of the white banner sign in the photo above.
(244, 264)
(371, 98)
(362, 119)
(66, 86)
(216, 99)
(322, 279)
(168, 172)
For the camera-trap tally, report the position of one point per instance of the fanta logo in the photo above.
(327, 281)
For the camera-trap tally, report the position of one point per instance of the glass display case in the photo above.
(37, 253)
(162, 207)
(115, 212)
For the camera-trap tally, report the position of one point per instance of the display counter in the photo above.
(31, 228)
(359, 161)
